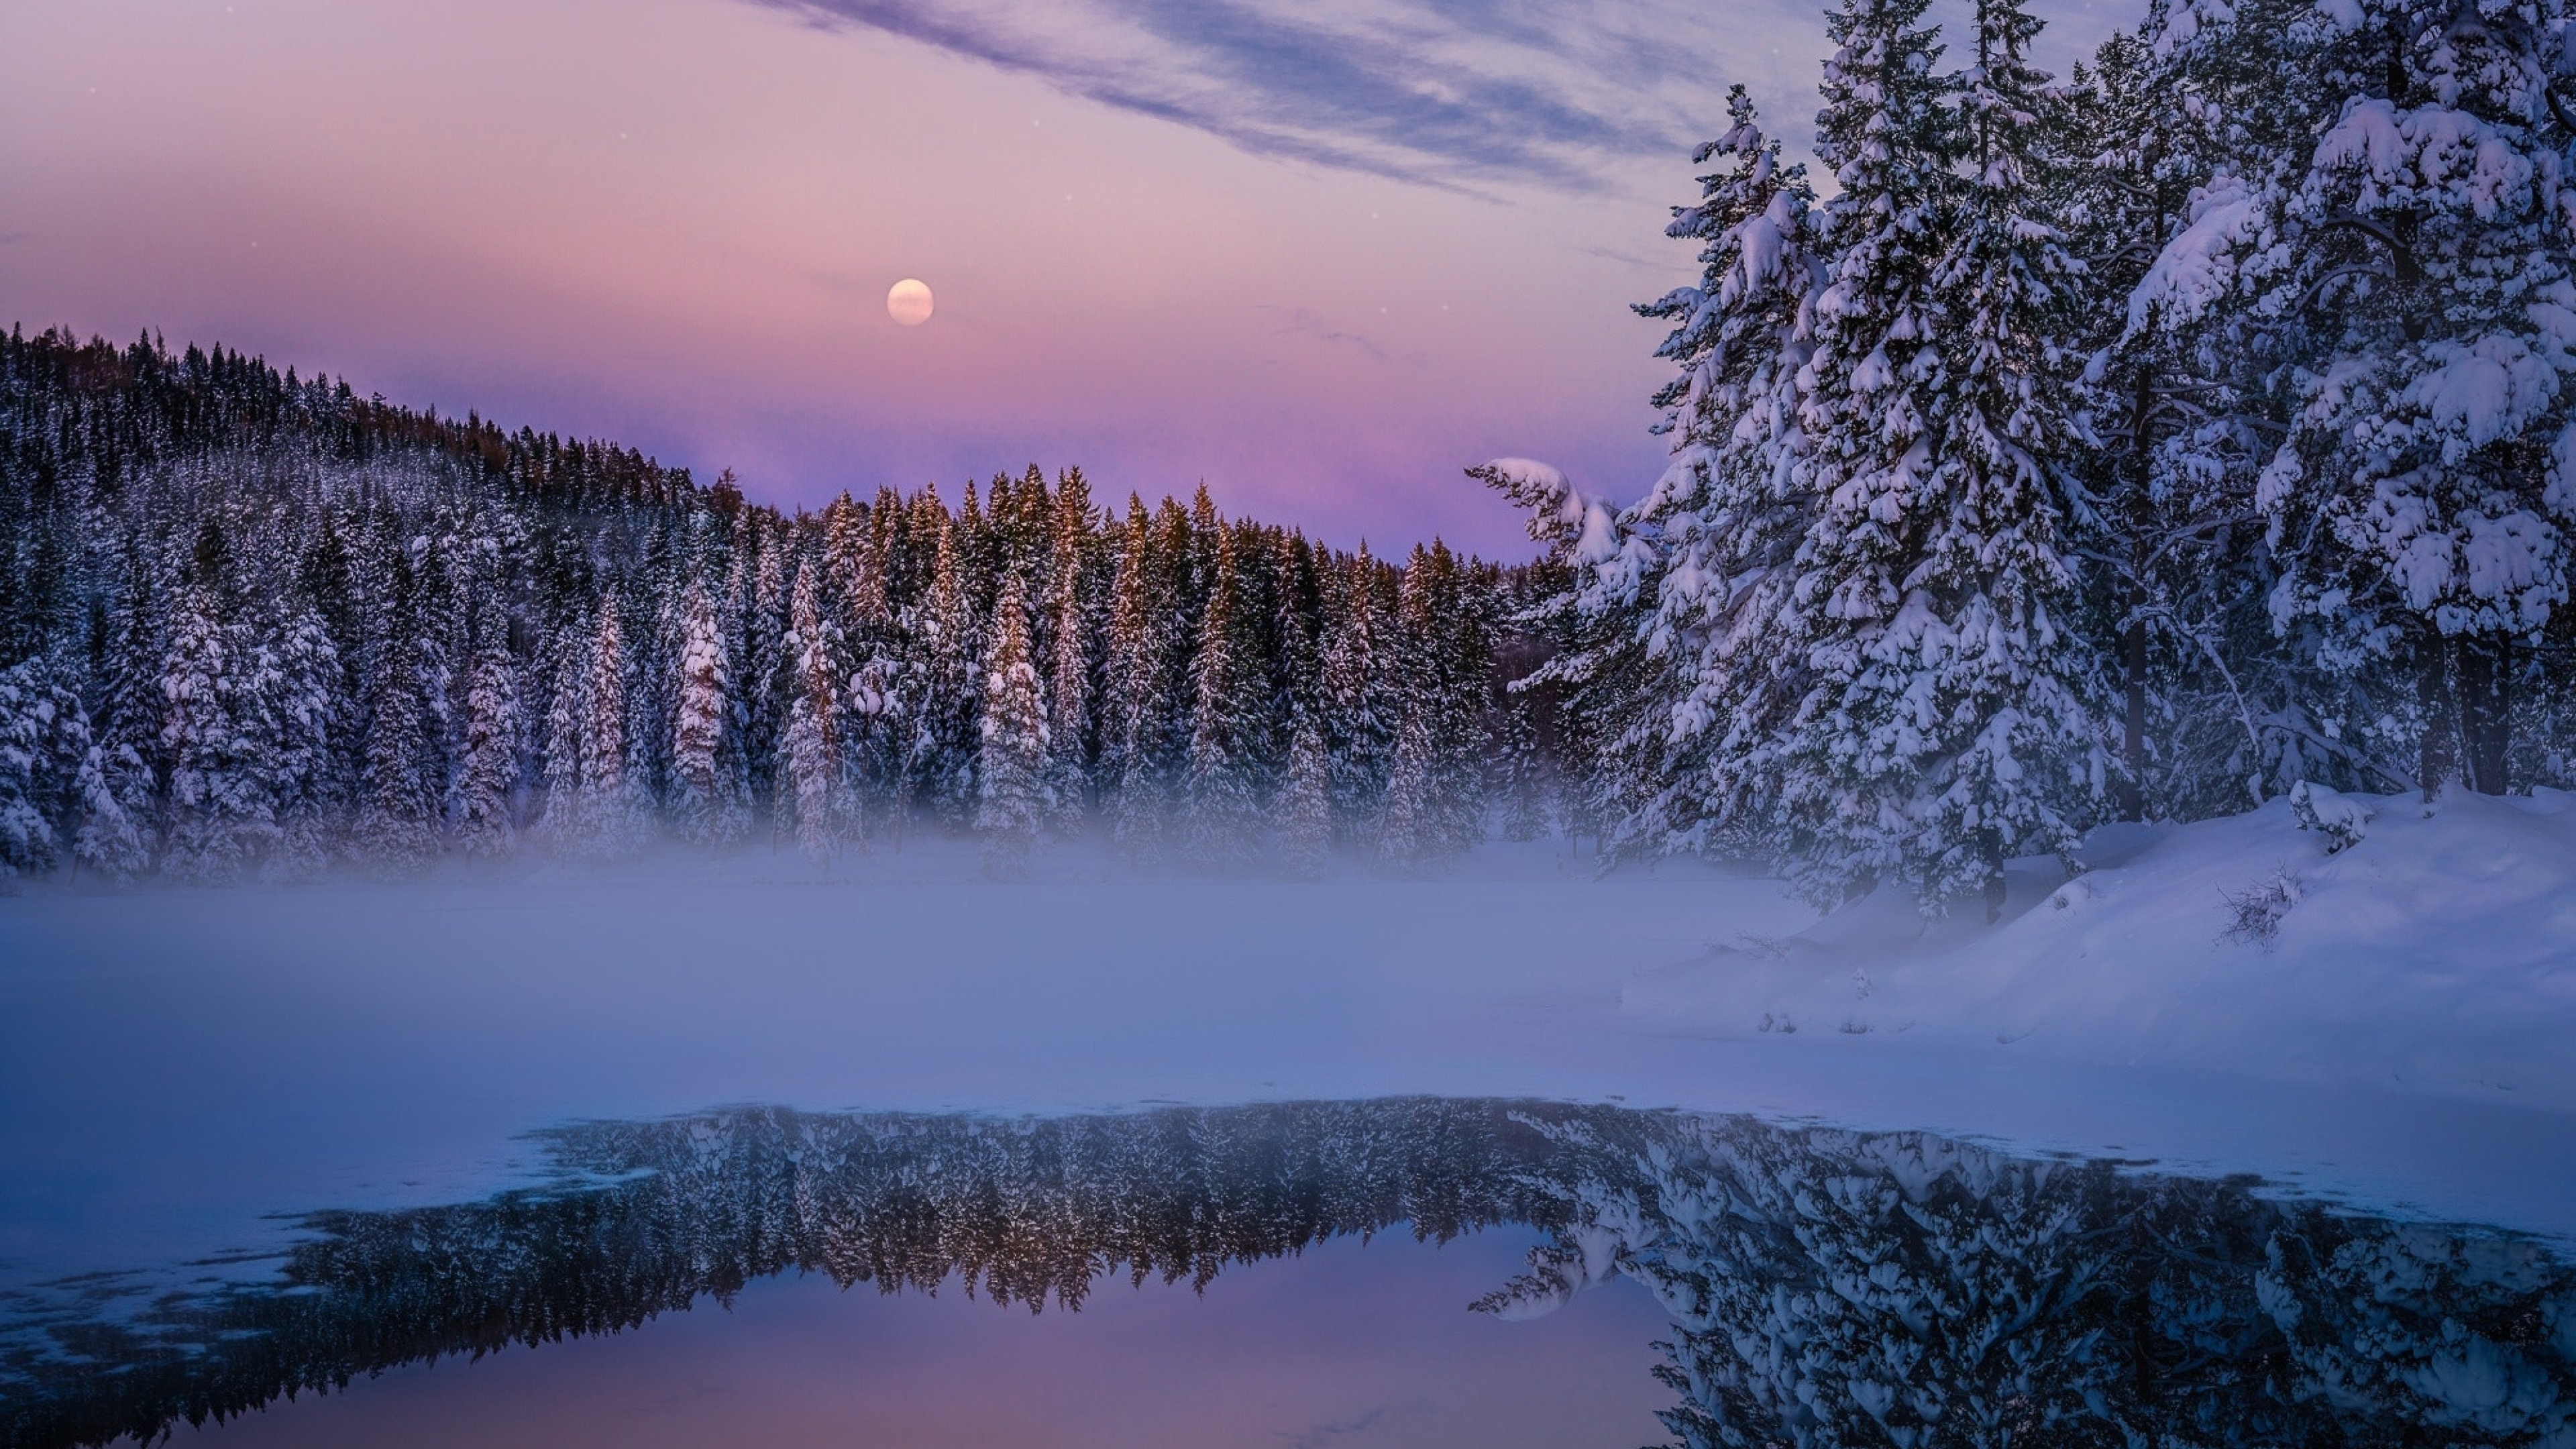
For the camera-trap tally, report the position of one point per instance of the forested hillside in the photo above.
(255, 625)
(2137, 444)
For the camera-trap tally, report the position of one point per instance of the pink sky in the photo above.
(1164, 241)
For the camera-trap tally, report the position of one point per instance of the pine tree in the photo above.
(129, 736)
(612, 809)
(303, 720)
(1727, 518)
(398, 807)
(1306, 805)
(707, 784)
(488, 776)
(1012, 759)
(1140, 688)
(1922, 620)
(1520, 768)
(942, 764)
(1223, 783)
(54, 799)
(1358, 714)
(813, 792)
(220, 817)
(566, 824)
(1069, 722)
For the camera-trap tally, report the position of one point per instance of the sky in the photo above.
(1320, 255)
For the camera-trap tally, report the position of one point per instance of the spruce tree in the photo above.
(949, 633)
(398, 807)
(1014, 799)
(54, 799)
(1727, 517)
(1223, 783)
(1946, 731)
(220, 815)
(707, 785)
(1359, 715)
(812, 792)
(488, 775)
(1306, 804)
(1140, 687)
(1909, 738)
(304, 717)
(566, 823)
(1069, 717)
(612, 812)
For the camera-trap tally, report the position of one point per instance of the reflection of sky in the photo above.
(1347, 1347)
(1320, 255)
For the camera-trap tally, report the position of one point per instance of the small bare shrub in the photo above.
(2257, 912)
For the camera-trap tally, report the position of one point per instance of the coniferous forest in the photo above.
(2140, 444)
(257, 626)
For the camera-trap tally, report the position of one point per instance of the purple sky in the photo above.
(1321, 254)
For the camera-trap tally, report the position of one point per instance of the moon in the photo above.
(908, 302)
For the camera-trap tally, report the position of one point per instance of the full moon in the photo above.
(908, 302)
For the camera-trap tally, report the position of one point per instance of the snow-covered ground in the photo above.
(175, 1064)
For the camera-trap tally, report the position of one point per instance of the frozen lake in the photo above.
(187, 1078)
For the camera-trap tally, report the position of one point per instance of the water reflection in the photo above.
(1825, 1288)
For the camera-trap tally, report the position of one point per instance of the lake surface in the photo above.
(1398, 1271)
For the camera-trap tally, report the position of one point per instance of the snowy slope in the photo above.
(2438, 954)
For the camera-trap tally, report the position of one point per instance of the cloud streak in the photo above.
(1463, 94)
(1305, 322)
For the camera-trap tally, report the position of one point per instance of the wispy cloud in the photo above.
(1305, 322)
(1465, 94)
(1323, 1434)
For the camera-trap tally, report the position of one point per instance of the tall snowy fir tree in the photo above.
(1069, 662)
(815, 795)
(1728, 516)
(1357, 704)
(55, 803)
(610, 794)
(306, 710)
(945, 685)
(219, 816)
(1223, 781)
(706, 782)
(2005, 768)
(488, 771)
(1014, 799)
(398, 806)
(1306, 804)
(1140, 689)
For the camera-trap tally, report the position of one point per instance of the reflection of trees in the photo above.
(1846, 1289)
(655, 1215)
(1827, 1288)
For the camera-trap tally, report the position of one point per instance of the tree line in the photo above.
(2132, 446)
(255, 625)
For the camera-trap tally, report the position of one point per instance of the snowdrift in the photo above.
(2434, 951)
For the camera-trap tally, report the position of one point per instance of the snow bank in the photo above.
(2434, 951)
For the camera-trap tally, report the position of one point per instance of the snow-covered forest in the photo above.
(253, 625)
(2136, 444)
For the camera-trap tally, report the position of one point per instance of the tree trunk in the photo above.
(2133, 643)
(2433, 698)
(2483, 667)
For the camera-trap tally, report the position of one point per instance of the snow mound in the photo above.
(2436, 953)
